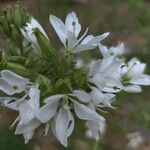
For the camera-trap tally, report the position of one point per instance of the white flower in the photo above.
(132, 76)
(64, 122)
(28, 111)
(29, 35)
(107, 52)
(11, 83)
(95, 129)
(104, 74)
(68, 33)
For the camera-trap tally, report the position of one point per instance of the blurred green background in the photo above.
(128, 21)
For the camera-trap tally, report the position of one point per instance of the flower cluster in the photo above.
(52, 87)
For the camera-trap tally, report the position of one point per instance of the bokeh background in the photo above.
(128, 21)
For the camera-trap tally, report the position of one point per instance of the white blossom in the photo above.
(64, 121)
(28, 111)
(116, 51)
(29, 35)
(103, 73)
(68, 33)
(132, 76)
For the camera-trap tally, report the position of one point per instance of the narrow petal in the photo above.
(59, 28)
(28, 136)
(14, 79)
(47, 111)
(7, 88)
(141, 80)
(53, 98)
(72, 24)
(83, 47)
(97, 96)
(62, 122)
(32, 125)
(133, 89)
(34, 94)
(97, 39)
(35, 24)
(82, 95)
(85, 113)
(104, 50)
(26, 112)
(9, 102)
(72, 40)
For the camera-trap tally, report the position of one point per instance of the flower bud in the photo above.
(44, 43)
(18, 15)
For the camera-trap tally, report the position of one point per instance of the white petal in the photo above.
(53, 98)
(85, 113)
(10, 102)
(104, 50)
(72, 24)
(141, 80)
(97, 96)
(26, 112)
(82, 95)
(97, 39)
(133, 89)
(14, 79)
(137, 69)
(35, 24)
(59, 27)
(28, 136)
(32, 125)
(34, 94)
(47, 111)
(71, 124)
(72, 40)
(7, 88)
(94, 67)
(62, 122)
(87, 39)
(83, 47)
(109, 98)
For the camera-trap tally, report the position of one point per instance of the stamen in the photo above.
(46, 129)
(81, 38)
(17, 119)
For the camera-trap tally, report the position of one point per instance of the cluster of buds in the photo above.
(51, 87)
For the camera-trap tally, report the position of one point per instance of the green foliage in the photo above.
(10, 24)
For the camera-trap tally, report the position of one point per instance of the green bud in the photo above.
(15, 33)
(44, 43)
(16, 59)
(5, 26)
(20, 69)
(3, 65)
(9, 14)
(11, 48)
(18, 15)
